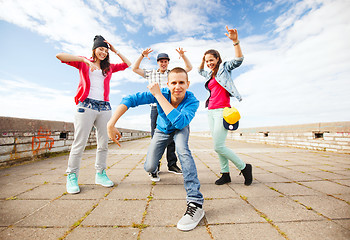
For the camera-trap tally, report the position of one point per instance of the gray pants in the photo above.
(85, 119)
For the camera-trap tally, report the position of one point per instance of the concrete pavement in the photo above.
(296, 194)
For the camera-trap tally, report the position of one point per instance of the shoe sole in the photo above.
(174, 172)
(221, 183)
(155, 180)
(190, 226)
(104, 185)
(73, 192)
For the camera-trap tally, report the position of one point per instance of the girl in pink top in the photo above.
(221, 87)
(93, 108)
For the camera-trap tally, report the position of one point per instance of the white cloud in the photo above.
(298, 73)
(180, 16)
(21, 98)
(71, 23)
(305, 77)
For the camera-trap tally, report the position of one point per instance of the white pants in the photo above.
(85, 119)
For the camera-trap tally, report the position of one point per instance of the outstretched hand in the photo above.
(181, 52)
(232, 34)
(146, 52)
(114, 134)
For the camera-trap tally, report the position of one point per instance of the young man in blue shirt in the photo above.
(176, 109)
(160, 76)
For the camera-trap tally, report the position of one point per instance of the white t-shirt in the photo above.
(97, 85)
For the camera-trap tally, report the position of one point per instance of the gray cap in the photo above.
(162, 56)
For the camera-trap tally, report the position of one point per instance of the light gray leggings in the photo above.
(84, 121)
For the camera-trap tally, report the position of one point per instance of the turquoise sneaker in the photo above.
(102, 179)
(72, 183)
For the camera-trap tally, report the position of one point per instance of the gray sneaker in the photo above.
(192, 217)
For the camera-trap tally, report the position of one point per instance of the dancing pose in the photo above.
(176, 108)
(93, 108)
(221, 87)
(160, 76)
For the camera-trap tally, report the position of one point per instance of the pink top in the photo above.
(219, 97)
(84, 82)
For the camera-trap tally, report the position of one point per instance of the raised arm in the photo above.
(233, 35)
(136, 68)
(66, 57)
(162, 101)
(113, 132)
(188, 65)
(122, 57)
(179, 119)
(201, 67)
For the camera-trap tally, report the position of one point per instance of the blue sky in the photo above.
(296, 68)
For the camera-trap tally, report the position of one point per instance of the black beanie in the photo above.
(99, 41)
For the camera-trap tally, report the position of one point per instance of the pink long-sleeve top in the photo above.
(84, 82)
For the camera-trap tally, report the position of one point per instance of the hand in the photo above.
(91, 65)
(111, 47)
(146, 52)
(181, 52)
(232, 34)
(114, 134)
(154, 89)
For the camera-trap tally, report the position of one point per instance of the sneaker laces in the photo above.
(191, 209)
(104, 176)
(72, 177)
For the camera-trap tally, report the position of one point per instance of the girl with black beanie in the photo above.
(93, 108)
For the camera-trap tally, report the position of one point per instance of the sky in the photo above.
(296, 66)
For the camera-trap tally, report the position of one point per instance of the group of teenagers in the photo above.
(172, 109)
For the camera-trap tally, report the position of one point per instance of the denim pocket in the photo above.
(81, 110)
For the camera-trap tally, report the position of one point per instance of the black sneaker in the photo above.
(174, 169)
(154, 177)
(191, 218)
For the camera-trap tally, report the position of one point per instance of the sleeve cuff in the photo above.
(239, 58)
(126, 103)
(173, 115)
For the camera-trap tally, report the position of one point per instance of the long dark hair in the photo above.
(104, 64)
(216, 54)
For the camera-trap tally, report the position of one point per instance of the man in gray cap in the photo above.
(160, 76)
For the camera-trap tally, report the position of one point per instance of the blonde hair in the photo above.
(178, 70)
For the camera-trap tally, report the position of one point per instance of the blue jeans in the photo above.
(95, 105)
(170, 150)
(156, 149)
